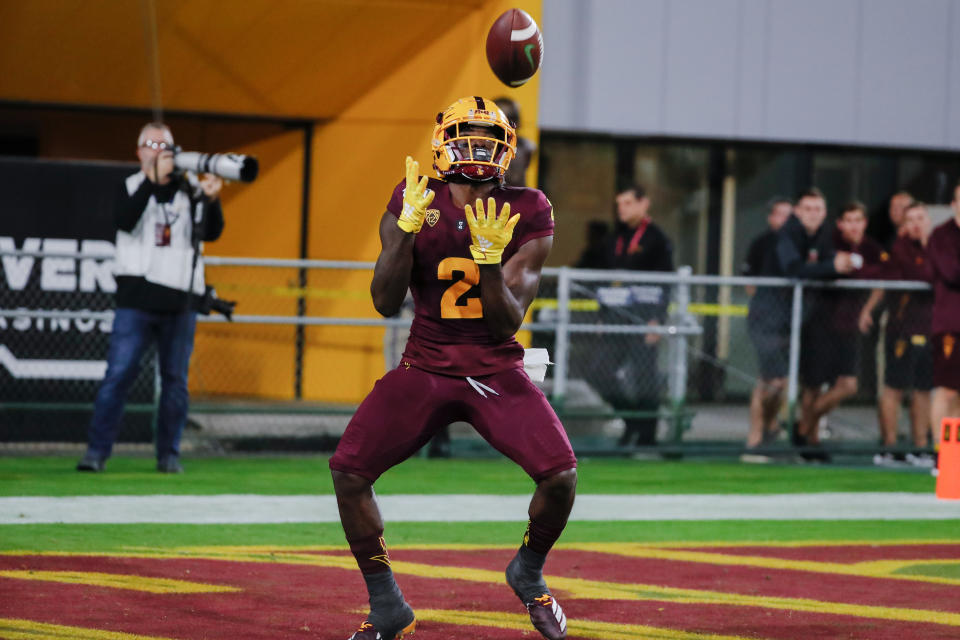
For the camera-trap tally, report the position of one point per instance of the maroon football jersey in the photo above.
(449, 334)
(910, 311)
(943, 257)
(847, 303)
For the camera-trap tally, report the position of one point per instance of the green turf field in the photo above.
(119, 537)
(54, 476)
(308, 475)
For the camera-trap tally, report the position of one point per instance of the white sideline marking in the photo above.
(250, 509)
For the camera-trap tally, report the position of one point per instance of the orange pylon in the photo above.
(948, 477)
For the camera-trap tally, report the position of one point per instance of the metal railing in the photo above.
(600, 323)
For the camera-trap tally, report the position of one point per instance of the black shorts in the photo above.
(946, 360)
(773, 352)
(909, 362)
(826, 355)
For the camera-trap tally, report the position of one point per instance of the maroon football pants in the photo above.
(408, 405)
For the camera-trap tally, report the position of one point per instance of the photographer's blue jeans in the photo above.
(133, 332)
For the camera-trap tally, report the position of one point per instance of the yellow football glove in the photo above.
(416, 198)
(490, 233)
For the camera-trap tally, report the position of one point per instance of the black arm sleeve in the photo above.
(753, 266)
(129, 208)
(214, 221)
(664, 262)
(666, 255)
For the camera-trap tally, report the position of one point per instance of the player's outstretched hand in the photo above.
(416, 199)
(490, 232)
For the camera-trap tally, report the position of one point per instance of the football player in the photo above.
(471, 251)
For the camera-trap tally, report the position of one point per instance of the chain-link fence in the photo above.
(767, 366)
(681, 362)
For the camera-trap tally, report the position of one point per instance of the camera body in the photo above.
(229, 166)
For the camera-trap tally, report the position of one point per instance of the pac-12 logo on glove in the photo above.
(416, 198)
(490, 232)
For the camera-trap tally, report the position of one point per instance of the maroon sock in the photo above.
(540, 537)
(371, 553)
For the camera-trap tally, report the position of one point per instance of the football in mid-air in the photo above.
(514, 47)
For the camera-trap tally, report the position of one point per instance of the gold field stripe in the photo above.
(768, 543)
(888, 568)
(16, 629)
(591, 589)
(577, 628)
(597, 590)
(870, 569)
(608, 547)
(119, 581)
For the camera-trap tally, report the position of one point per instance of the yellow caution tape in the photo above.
(696, 308)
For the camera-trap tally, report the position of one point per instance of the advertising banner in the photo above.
(51, 367)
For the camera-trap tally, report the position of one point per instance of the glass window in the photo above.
(579, 177)
(929, 179)
(761, 175)
(844, 176)
(675, 177)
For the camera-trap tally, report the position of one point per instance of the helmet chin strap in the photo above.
(460, 178)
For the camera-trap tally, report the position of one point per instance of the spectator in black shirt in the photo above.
(516, 175)
(772, 346)
(626, 371)
(805, 250)
(594, 255)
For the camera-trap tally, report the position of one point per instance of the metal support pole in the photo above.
(561, 345)
(678, 352)
(796, 317)
(155, 418)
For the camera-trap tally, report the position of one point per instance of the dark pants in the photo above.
(133, 332)
(624, 372)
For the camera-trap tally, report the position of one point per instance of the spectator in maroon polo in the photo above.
(909, 358)
(943, 256)
(831, 352)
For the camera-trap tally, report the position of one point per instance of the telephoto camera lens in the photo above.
(230, 166)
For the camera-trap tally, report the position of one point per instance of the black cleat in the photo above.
(547, 617)
(545, 612)
(368, 632)
(91, 462)
(169, 465)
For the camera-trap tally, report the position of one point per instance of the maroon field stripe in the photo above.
(845, 554)
(277, 601)
(282, 614)
(298, 601)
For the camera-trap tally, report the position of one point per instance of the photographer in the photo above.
(162, 216)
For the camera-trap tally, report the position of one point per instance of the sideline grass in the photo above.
(106, 538)
(308, 475)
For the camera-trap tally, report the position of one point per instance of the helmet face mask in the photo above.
(473, 139)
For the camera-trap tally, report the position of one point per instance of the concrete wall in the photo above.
(864, 72)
